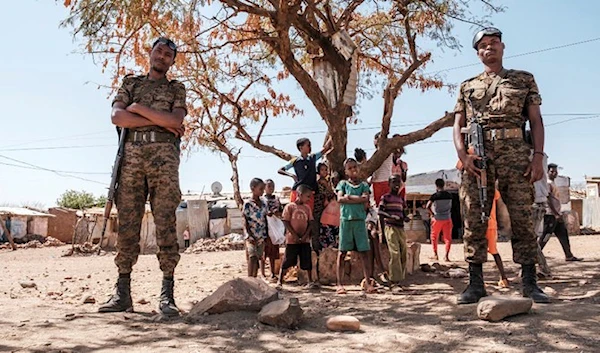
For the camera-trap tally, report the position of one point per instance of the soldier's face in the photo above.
(490, 49)
(161, 58)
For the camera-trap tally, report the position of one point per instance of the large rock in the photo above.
(240, 294)
(343, 323)
(282, 313)
(497, 308)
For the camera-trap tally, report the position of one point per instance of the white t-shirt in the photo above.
(541, 186)
(385, 171)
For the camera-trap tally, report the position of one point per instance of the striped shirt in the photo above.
(393, 205)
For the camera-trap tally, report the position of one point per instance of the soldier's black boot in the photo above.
(530, 287)
(476, 288)
(167, 301)
(121, 300)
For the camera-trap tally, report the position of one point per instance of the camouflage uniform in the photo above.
(508, 161)
(149, 169)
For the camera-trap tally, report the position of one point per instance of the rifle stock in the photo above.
(113, 185)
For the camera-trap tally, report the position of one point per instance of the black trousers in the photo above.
(552, 225)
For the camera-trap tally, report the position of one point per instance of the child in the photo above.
(329, 229)
(255, 222)
(305, 168)
(353, 195)
(492, 238)
(186, 237)
(360, 155)
(297, 218)
(274, 210)
(440, 206)
(375, 252)
(391, 209)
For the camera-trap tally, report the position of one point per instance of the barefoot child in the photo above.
(440, 206)
(375, 259)
(305, 168)
(492, 238)
(255, 222)
(353, 194)
(391, 209)
(297, 218)
(274, 210)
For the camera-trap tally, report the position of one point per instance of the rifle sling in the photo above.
(491, 91)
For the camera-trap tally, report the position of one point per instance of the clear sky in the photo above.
(52, 107)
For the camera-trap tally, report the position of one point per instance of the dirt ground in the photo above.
(52, 317)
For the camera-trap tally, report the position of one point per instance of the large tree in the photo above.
(235, 53)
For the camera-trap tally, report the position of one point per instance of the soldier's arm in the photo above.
(168, 120)
(537, 129)
(171, 120)
(532, 104)
(119, 115)
(125, 119)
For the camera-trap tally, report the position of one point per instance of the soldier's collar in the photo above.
(162, 79)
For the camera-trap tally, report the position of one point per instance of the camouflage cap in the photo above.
(489, 31)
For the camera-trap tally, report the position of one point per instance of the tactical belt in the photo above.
(151, 137)
(503, 134)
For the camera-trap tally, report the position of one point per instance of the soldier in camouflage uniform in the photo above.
(152, 109)
(501, 101)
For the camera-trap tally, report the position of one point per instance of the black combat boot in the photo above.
(121, 300)
(167, 302)
(476, 288)
(530, 287)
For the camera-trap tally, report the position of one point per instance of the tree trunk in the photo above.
(235, 179)
(339, 139)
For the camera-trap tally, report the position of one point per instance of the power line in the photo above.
(523, 54)
(572, 119)
(52, 148)
(64, 174)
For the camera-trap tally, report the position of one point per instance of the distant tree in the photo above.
(80, 200)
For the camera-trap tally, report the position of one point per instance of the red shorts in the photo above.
(380, 188)
(311, 201)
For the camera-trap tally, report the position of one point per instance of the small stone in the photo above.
(143, 301)
(282, 313)
(550, 291)
(68, 278)
(343, 323)
(495, 308)
(89, 300)
(28, 284)
(456, 273)
(89, 276)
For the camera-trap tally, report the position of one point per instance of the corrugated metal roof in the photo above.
(20, 211)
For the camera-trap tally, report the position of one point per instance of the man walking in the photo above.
(500, 101)
(152, 109)
(553, 220)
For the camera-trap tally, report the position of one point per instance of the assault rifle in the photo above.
(474, 142)
(114, 179)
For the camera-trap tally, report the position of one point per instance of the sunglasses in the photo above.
(167, 42)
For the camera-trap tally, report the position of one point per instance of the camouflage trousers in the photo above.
(148, 170)
(508, 161)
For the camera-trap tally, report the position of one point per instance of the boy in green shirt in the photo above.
(353, 196)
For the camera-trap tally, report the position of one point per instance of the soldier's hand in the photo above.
(133, 108)
(469, 164)
(177, 131)
(535, 170)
